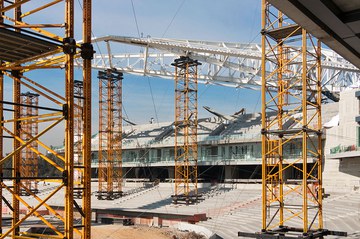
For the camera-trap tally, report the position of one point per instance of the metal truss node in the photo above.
(186, 117)
(296, 98)
(29, 128)
(43, 49)
(110, 135)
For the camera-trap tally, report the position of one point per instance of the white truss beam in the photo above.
(227, 64)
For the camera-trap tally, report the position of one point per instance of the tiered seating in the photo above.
(341, 213)
(243, 123)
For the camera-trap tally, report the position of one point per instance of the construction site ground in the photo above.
(139, 232)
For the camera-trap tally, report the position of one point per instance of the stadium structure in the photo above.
(230, 147)
(211, 176)
(229, 167)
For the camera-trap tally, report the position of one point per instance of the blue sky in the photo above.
(223, 20)
(216, 20)
(227, 20)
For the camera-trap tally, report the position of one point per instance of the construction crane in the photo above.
(39, 48)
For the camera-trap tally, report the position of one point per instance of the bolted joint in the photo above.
(65, 177)
(65, 110)
(263, 131)
(87, 51)
(319, 132)
(304, 129)
(17, 177)
(69, 46)
(281, 136)
(16, 73)
(18, 125)
(263, 32)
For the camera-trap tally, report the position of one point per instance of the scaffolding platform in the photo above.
(284, 32)
(16, 46)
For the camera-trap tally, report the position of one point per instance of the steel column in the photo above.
(69, 123)
(1, 130)
(87, 56)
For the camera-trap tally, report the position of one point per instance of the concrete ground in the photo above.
(229, 208)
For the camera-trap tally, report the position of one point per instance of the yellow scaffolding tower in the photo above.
(29, 45)
(291, 114)
(186, 121)
(29, 128)
(295, 97)
(110, 135)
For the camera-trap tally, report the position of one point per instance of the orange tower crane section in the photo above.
(291, 113)
(29, 128)
(296, 97)
(110, 135)
(186, 122)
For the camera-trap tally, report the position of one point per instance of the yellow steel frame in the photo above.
(1, 137)
(28, 129)
(1, 130)
(186, 121)
(296, 96)
(110, 135)
(62, 59)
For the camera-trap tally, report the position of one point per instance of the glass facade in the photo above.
(239, 152)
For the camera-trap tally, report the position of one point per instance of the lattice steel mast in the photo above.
(39, 47)
(29, 128)
(186, 116)
(285, 202)
(110, 134)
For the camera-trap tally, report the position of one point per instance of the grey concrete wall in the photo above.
(345, 132)
(343, 174)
